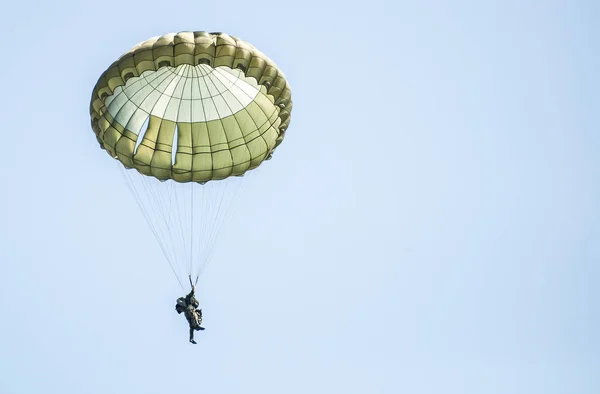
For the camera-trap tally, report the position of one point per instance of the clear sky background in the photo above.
(430, 224)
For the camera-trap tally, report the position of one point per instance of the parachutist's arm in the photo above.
(191, 292)
(193, 287)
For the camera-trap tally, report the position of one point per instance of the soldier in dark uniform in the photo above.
(188, 305)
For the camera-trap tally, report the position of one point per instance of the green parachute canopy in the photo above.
(191, 107)
(184, 109)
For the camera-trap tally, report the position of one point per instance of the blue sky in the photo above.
(430, 223)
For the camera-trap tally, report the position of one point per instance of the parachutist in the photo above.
(189, 306)
(185, 166)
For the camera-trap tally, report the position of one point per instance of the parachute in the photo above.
(186, 115)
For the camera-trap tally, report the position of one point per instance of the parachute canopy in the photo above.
(185, 109)
(192, 107)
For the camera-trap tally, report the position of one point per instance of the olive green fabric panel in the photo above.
(142, 158)
(182, 168)
(227, 143)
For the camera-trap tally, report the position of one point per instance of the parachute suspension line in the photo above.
(215, 226)
(223, 196)
(188, 246)
(157, 200)
(173, 212)
(217, 222)
(180, 216)
(208, 202)
(206, 188)
(228, 211)
(191, 228)
(157, 203)
(185, 219)
(208, 210)
(202, 221)
(133, 190)
(165, 201)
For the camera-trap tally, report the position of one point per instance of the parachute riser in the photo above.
(195, 282)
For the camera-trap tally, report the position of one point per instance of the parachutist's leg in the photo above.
(192, 336)
(199, 320)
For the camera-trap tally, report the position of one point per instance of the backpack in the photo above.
(180, 305)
